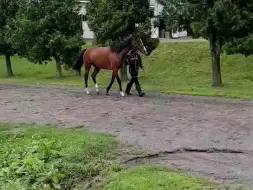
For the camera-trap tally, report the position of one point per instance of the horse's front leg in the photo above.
(111, 83)
(115, 75)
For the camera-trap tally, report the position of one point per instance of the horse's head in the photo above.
(138, 44)
(133, 41)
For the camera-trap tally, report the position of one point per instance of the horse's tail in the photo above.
(79, 62)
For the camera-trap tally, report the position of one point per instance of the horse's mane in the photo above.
(117, 48)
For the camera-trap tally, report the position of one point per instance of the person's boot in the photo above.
(138, 88)
(128, 88)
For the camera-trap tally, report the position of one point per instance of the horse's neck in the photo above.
(124, 52)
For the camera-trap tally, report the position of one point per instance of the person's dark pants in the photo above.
(135, 80)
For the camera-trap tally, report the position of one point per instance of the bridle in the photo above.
(139, 46)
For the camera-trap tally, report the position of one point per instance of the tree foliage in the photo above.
(175, 15)
(8, 10)
(242, 45)
(170, 15)
(112, 20)
(46, 30)
(242, 41)
(218, 21)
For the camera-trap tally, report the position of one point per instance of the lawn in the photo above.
(182, 68)
(153, 178)
(44, 157)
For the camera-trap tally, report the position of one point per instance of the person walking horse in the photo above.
(133, 59)
(108, 58)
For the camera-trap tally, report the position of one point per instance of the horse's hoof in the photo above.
(97, 93)
(87, 91)
(107, 93)
(122, 94)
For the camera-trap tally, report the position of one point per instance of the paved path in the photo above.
(156, 122)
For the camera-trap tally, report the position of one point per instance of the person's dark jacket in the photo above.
(134, 61)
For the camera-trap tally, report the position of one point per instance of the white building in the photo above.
(156, 32)
(87, 33)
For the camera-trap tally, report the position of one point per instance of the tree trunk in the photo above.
(8, 64)
(58, 67)
(78, 73)
(123, 72)
(215, 54)
(170, 33)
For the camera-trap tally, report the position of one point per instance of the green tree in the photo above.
(8, 9)
(242, 41)
(170, 15)
(217, 21)
(242, 45)
(112, 20)
(46, 30)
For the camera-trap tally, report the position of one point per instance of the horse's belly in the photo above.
(103, 64)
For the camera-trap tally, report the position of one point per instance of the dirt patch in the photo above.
(157, 122)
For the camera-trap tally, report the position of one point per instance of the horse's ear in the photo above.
(136, 34)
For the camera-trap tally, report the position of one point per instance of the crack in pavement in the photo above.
(185, 150)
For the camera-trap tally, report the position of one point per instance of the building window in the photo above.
(84, 17)
(152, 8)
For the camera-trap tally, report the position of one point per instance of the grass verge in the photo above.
(154, 178)
(182, 68)
(46, 157)
(43, 157)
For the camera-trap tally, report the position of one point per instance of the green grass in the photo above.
(185, 68)
(153, 178)
(38, 157)
(44, 157)
(182, 68)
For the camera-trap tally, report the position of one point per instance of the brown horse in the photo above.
(107, 58)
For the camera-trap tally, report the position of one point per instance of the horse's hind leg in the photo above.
(94, 74)
(120, 85)
(86, 76)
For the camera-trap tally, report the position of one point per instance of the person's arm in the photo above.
(140, 62)
(126, 60)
